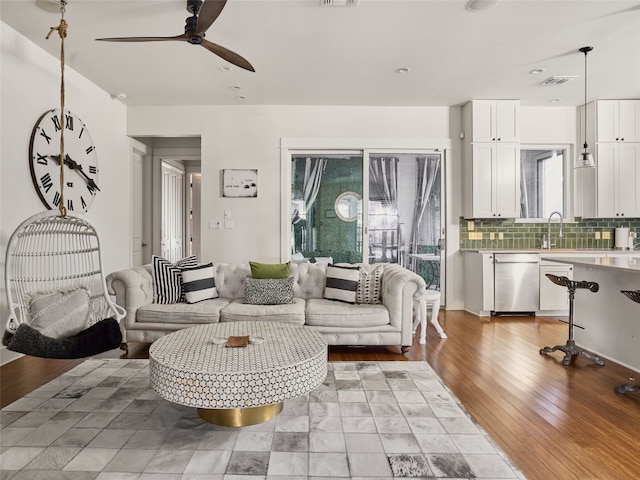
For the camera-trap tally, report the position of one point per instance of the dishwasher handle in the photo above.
(516, 258)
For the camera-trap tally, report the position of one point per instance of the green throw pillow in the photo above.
(269, 270)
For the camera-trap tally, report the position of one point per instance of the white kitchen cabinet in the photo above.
(554, 298)
(495, 188)
(491, 159)
(478, 283)
(617, 121)
(495, 120)
(618, 177)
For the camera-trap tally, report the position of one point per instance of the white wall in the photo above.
(30, 85)
(249, 137)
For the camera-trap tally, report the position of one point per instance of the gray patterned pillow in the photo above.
(369, 283)
(268, 291)
(60, 313)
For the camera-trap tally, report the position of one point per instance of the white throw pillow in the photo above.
(198, 283)
(167, 278)
(342, 283)
(60, 313)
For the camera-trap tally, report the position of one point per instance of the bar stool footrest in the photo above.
(626, 388)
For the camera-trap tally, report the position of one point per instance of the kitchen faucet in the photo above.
(555, 212)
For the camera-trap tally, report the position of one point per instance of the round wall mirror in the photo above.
(346, 206)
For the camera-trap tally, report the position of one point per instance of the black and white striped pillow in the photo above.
(167, 278)
(198, 283)
(342, 283)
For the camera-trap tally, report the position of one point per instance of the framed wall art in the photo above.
(239, 183)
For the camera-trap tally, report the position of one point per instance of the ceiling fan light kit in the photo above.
(585, 159)
(203, 14)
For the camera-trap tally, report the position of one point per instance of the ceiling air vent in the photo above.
(558, 80)
(339, 3)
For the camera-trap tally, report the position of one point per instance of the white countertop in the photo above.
(560, 252)
(620, 263)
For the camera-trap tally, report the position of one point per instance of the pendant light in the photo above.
(585, 159)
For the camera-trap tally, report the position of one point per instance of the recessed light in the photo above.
(225, 68)
(119, 95)
(403, 70)
(236, 87)
(240, 97)
(556, 100)
(479, 5)
(536, 71)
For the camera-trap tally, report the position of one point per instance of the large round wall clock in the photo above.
(80, 161)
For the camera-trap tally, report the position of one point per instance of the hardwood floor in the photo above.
(554, 422)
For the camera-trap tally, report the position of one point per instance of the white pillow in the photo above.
(60, 313)
(198, 283)
(342, 283)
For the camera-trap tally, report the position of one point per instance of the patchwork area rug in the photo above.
(368, 420)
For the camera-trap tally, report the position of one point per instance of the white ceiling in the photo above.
(307, 54)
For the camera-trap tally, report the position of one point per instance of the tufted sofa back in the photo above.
(309, 279)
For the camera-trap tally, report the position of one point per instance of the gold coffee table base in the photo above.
(240, 417)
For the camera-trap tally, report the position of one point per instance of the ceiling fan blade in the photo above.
(228, 55)
(183, 37)
(209, 11)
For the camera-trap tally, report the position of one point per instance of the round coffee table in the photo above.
(238, 386)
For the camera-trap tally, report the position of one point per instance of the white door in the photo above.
(196, 182)
(138, 243)
(172, 226)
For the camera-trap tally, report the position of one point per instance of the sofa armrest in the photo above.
(133, 288)
(399, 288)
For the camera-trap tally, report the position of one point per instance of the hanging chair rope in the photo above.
(62, 32)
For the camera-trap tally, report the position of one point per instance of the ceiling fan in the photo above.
(204, 13)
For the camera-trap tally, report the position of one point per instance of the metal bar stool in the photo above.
(570, 348)
(625, 387)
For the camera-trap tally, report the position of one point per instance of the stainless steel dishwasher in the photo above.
(516, 283)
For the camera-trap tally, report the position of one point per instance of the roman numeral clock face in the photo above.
(80, 162)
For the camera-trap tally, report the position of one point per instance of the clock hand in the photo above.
(73, 165)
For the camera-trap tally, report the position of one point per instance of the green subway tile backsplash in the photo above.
(577, 234)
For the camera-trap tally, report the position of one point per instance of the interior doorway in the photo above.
(170, 199)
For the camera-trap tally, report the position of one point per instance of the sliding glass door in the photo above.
(404, 211)
(368, 206)
(326, 206)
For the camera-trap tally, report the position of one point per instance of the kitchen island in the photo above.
(610, 321)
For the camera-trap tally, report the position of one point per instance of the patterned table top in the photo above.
(189, 368)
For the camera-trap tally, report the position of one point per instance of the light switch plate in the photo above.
(228, 224)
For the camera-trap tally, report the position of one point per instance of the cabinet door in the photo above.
(483, 205)
(629, 120)
(554, 297)
(506, 120)
(507, 180)
(607, 120)
(627, 166)
(606, 179)
(483, 114)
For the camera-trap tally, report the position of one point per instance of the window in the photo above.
(543, 181)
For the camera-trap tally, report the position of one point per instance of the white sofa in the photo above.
(388, 323)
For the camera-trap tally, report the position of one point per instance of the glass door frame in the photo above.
(365, 147)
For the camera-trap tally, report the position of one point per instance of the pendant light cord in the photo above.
(585, 50)
(62, 32)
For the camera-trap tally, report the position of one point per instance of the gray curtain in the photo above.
(313, 170)
(427, 168)
(383, 179)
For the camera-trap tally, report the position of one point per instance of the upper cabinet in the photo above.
(494, 120)
(614, 190)
(617, 121)
(491, 159)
